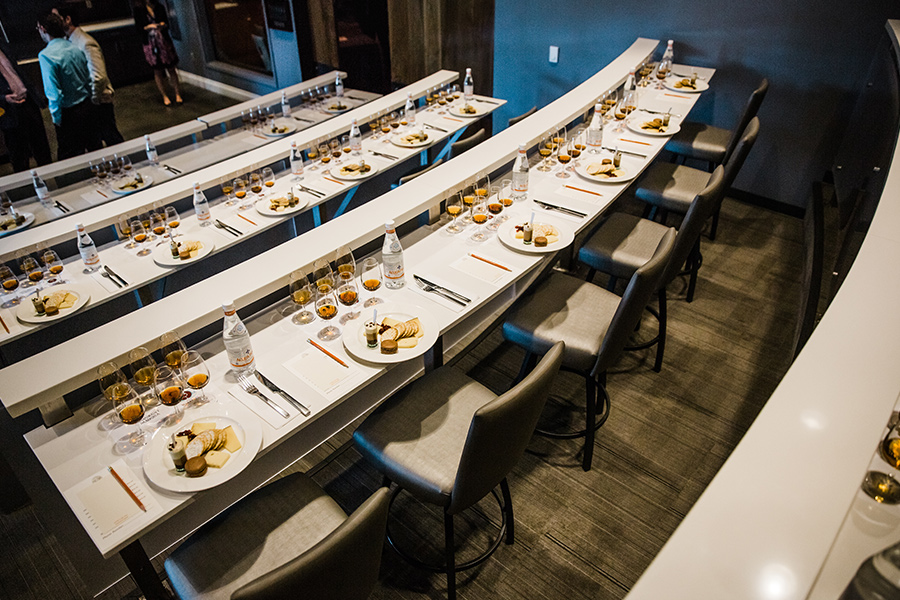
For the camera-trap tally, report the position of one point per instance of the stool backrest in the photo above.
(411, 176)
(737, 158)
(521, 117)
(750, 111)
(343, 566)
(457, 148)
(643, 283)
(701, 209)
(500, 431)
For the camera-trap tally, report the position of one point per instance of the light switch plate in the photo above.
(554, 54)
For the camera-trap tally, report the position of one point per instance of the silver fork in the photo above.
(248, 387)
(430, 288)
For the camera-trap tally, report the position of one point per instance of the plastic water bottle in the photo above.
(41, 189)
(520, 175)
(88, 250)
(201, 206)
(152, 156)
(878, 578)
(669, 54)
(665, 63)
(595, 131)
(285, 106)
(338, 86)
(392, 258)
(410, 110)
(237, 341)
(355, 139)
(468, 86)
(296, 162)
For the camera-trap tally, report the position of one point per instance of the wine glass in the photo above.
(139, 238)
(454, 208)
(326, 309)
(172, 348)
(479, 217)
(324, 154)
(125, 164)
(312, 154)
(506, 195)
(33, 271)
(295, 158)
(385, 125)
(371, 280)
(564, 157)
(545, 149)
(142, 365)
(495, 207)
(245, 120)
(10, 283)
(130, 410)
(169, 387)
(268, 178)
(124, 227)
(662, 71)
(172, 219)
(228, 192)
(609, 101)
(395, 120)
(578, 146)
(482, 187)
(348, 295)
(158, 219)
(301, 291)
(54, 266)
(196, 375)
(322, 273)
(468, 198)
(345, 144)
(345, 263)
(256, 186)
(109, 375)
(335, 146)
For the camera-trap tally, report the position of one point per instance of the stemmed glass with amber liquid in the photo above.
(228, 192)
(545, 149)
(371, 280)
(240, 188)
(32, 269)
(348, 295)
(139, 238)
(324, 154)
(345, 263)
(10, 284)
(256, 186)
(196, 375)
(312, 154)
(609, 101)
(301, 291)
(468, 198)
(578, 146)
(171, 348)
(627, 106)
(564, 156)
(454, 208)
(130, 409)
(480, 218)
(143, 368)
(172, 219)
(322, 273)
(662, 71)
(54, 266)
(169, 385)
(268, 179)
(495, 207)
(158, 219)
(124, 227)
(326, 309)
(336, 152)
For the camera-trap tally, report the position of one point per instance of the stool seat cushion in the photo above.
(563, 308)
(416, 438)
(622, 245)
(264, 531)
(700, 141)
(672, 187)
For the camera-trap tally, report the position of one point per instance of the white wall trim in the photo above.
(217, 87)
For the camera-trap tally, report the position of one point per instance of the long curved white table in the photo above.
(787, 501)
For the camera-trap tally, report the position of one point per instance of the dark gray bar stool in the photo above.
(450, 441)
(522, 117)
(673, 187)
(595, 325)
(457, 148)
(714, 144)
(411, 176)
(625, 242)
(286, 540)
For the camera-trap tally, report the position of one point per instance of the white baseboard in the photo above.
(217, 87)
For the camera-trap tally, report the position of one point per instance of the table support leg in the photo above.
(142, 571)
(346, 202)
(446, 150)
(434, 358)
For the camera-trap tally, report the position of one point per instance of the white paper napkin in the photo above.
(321, 372)
(106, 283)
(480, 269)
(263, 410)
(434, 297)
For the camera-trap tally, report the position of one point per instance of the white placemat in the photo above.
(437, 298)
(480, 269)
(263, 410)
(321, 372)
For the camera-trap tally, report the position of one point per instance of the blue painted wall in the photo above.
(814, 54)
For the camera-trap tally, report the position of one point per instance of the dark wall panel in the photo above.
(815, 55)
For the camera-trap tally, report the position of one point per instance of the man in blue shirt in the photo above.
(67, 85)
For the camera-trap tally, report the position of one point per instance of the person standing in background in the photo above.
(67, 84)
(151, 21)
(21, 122)
(101, 89)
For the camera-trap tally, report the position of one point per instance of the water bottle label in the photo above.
(393, 271)
(203, 215)
(242, 360)
(469, 90)
(90, 257)
(43, 193)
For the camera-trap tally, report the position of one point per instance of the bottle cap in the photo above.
(196, 184)
(228, 307)
(468, 70)
(147, 136)
(389, 224)
(33, 173)
(521, 147)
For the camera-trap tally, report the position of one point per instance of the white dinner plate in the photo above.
(456, 110)
(25, 311)
(355, 333)
(162, 255)
(670, 82)
(29, 219)
(117, 186)
(262, 206)
(336, 111)
(353, 176)
(160, 470)
(398, 140)
(636, 120)
(288, 129)
(581, 169)
(507, 235)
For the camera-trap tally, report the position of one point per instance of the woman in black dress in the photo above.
(150, 18)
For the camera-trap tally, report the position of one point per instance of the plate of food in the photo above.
(201, 454)
(545, 236)
(412, 139)
(402, 332)
(58, 301)
(130, 185)
(468, 110)
(602, 171)
(684, 84)
(276, 130)
(190, 249)
(10, 224)
(336, 107)
(354, 171)
(277, 206)
(646, 124)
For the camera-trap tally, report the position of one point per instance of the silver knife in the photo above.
(114, 274)
(430, 126)
(383, 155)
(561, 209)
(629, 152)
(442, 288)
(487, 101)
(302, 119)
(658, 112)
(268, 383)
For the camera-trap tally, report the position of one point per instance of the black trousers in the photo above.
(78, 131)
(109, 133)
(27, 138)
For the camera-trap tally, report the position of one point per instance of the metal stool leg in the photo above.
(449, 556)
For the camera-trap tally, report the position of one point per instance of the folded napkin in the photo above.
(439, 299)
(106, 283)
(263, 410)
